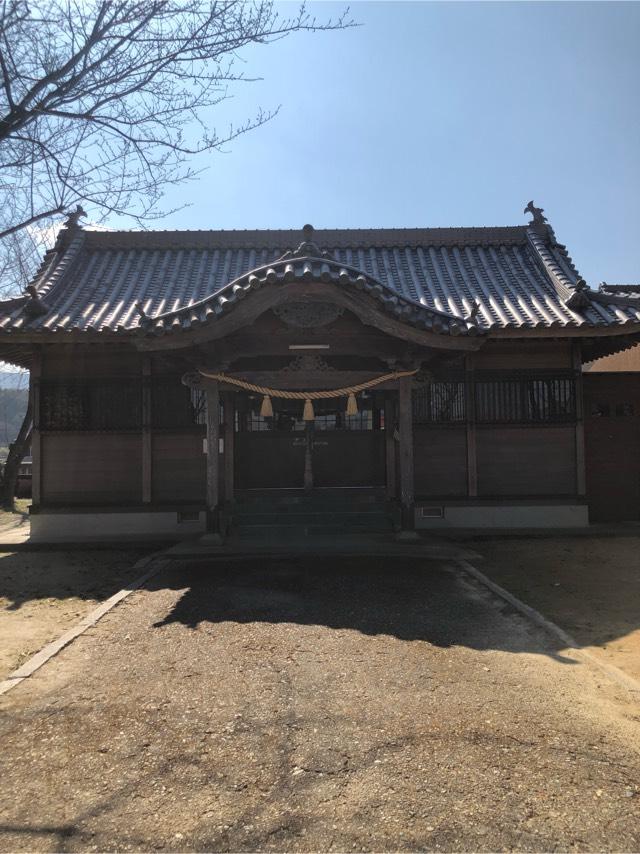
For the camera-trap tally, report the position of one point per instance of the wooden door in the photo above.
(344, 452)
(344, 458)
(269, 460)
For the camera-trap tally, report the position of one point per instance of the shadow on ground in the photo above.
(399, 597)
(63, 574)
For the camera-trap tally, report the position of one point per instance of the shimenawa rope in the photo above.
(266, 410)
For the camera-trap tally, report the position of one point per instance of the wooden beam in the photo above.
(472, 449)
(229, 442)
(213, 457)
(147, 461)
(390, 445)
(316, 380)
(36, 436)
(405, 429)
(581, 475)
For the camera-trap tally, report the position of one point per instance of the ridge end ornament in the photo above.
(580, 298)
(35, 305)
(537, 213)
(308, 248)
(539, 223)
(74, 217)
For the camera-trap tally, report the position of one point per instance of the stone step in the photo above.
(316, 491)
(309, 503)
(311, 517)
(277, 532)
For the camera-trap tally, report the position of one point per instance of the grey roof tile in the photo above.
(429, 277)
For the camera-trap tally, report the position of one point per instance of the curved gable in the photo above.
(291, 270)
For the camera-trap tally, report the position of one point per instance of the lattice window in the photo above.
(287, 416)
(525, 400)
(441, 402)
(174, 406)
(105, 405)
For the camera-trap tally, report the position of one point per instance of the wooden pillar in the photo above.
(405, 430)
(472, 453)
(390, 444)
(146, 430)
(581, 476)
(213, 458)
(229, 442)
(36, 436)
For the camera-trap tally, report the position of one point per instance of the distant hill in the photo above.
(13, 405)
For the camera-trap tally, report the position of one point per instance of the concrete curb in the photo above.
(551, 628)
(47, 652)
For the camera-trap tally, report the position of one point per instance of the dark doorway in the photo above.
(336, 450)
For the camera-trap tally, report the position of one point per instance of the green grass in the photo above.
(21, 508)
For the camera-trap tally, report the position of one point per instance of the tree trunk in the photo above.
(17, 451)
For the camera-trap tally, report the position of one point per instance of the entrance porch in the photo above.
(336, 471)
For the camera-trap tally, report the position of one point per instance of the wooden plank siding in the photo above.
(526, 461)
(97, 468)
(440, 460)
(90, 362)
(524, 355)
(168, 466)
(612, 445)
(178, 467)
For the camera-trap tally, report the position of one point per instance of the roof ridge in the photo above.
(553, 269)
(289, 238)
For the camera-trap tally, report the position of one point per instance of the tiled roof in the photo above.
(620, 290)
(452, 280)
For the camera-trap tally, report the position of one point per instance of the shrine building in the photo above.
(192, 381)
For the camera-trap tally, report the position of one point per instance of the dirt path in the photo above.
(42, 594)
(589, 586)
(362, 705)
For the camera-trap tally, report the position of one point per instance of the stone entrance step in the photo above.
(329, 499)
(294, 531)
(280, 513)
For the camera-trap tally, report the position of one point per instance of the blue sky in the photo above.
(441, 114)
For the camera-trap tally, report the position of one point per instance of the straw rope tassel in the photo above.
(352, 405)
(266, 410)
(308, 413)
(307, 396)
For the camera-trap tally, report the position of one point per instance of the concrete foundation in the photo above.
(98, 526)
(502, 516)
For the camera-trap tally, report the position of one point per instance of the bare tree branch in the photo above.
(104, 103)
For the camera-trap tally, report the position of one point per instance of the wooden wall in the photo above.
(501, 461)
(106, 468)
(97, 468)
(111, 468)
(440, 460)
(526, 461)
(63, 362)
(178, 467)
(612, 440)
(524, 355)
(170, 467)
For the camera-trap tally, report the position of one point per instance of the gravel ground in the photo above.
(44, 593)
(588, 585)
(345, 704)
